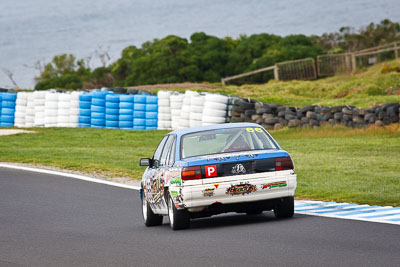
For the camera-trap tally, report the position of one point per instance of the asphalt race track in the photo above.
(48, 220)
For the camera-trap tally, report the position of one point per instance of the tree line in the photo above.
(206, 58)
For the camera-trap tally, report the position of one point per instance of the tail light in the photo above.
(283, 163)
(191, 173)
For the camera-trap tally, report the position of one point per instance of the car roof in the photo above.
(181, 132)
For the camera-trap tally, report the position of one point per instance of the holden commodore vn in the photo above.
(203, 171)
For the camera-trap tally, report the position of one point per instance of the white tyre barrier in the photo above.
(214, 112)
(196, 109)
(195, 123)
(164, 116)
(176, 105)
(196, 116)
(214, 105)
(175, 112)
(223, 99)
(213, 120)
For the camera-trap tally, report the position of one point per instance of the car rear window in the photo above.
(225, 141)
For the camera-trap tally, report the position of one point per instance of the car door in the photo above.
(155, 185)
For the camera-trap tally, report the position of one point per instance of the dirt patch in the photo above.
(13, 131)
(176, 86)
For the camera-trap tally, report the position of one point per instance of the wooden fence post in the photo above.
(396, 52)
(353, 63)
(276, 73)
(223, 81)
(314, 69)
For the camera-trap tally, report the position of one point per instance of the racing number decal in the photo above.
(211, 171)
(251, 130)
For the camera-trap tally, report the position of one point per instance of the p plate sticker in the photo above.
(211, 170)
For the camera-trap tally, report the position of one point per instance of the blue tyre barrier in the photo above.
(98, 102)
(151, 127)
(139, 114)
(9, 97)
(124, 111)
(139, 122)
(151, 115)
(126, 105)
(97, 126)
(112, 111)
(125, 118)
(85, 104)
(98, 109)
(152, 107)
(85, 112)
(85, 97)
(151, 99)
(7, 111)
(7, 119)
(112, 98)
(84, 120)
(97, 122)
(139, 107)
(6, 124)
(7, 104)
(112, 117)
(125, 124)
(139, 99)
(84, 125)
(151, 123)
(126, 98)
(113, 124)
(100, 95)
(98, 115)
(139, 127)
(112, 104)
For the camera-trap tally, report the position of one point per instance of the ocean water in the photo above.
(36, 30)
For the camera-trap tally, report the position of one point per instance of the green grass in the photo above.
(368, 88)
(341, 164)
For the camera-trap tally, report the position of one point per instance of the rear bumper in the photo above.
(239, 189)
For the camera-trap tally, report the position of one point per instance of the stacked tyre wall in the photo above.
(275, 116)
(96, 109)
(173, 110)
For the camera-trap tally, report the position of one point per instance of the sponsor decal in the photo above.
(211, 170)
(216, 186)
(208, 192)
(238, 169)
(155, 189)
(174, 193)
(171, 175)
(241, 189)
(176, 181)
(274, 185)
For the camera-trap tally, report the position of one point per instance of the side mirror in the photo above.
(145, 162)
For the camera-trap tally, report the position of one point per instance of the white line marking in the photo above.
(70, 175)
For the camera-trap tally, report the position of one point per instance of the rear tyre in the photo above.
(150, 219)
(178, 219)
(285, 208)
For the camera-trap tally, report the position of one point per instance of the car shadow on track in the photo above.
(235, 219)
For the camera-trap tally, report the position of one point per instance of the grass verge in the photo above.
(332, 163)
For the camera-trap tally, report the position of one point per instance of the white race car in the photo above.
(199, 172)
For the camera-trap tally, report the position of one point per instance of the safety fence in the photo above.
(326, 65)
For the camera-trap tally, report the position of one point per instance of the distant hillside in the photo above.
(368, 88)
